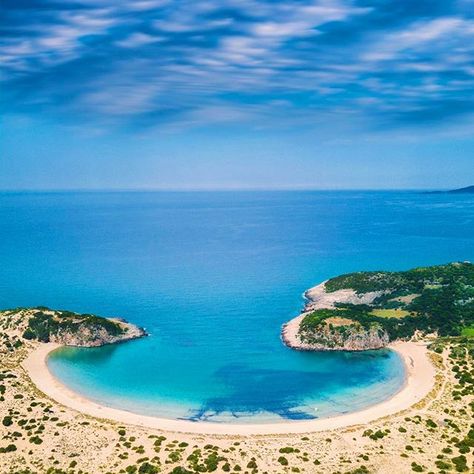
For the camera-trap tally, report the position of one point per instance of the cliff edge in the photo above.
(68, 328)
(336, 333)
(366, 310)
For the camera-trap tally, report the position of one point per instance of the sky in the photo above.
(236, 94)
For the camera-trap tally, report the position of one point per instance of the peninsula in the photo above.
(367, 310)
(69, 329)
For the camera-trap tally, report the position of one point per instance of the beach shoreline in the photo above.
(419, 381)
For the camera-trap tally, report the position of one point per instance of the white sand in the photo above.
(289, 333)
(419, 382)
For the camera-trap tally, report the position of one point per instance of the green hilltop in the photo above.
(437, 299)
(65, 327)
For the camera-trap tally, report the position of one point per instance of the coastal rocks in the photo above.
(326, 338)
(86, 336)
(329, 338)
(332, 337)
(73, 329)
(319, 298)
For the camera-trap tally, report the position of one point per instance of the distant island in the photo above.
(465, 190)
(367, 310)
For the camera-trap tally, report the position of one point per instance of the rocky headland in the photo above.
(330, 335)
(70, 329)
(366, 310)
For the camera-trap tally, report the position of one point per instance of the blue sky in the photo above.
(236, 94)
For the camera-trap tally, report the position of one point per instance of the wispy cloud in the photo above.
(157, 62)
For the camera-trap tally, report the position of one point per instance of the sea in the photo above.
(212, 276)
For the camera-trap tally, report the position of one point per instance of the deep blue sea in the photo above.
(212, 277)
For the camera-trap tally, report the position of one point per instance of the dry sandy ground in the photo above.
(318, 298)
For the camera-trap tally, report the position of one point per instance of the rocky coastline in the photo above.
(93, 337)
(355, 338)
(67, 328)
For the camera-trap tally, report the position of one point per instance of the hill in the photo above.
(466, 190)
(366, 310)
(68, 328)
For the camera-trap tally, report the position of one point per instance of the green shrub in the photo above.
(431, 424)
(147, 468)
(460, 463)
(180, 470)
(442, 465)
(252, 464)
(7, 421)
(8, 449)
(287, 450)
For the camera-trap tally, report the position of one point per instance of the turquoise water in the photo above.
(212, 276)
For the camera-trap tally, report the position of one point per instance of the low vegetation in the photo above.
(43, 325)
(438, 299)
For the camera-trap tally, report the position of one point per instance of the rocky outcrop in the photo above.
(74, 329)
(326, 337)
(318, 298)
(90, 336)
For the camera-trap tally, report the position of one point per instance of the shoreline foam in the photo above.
(419, 380)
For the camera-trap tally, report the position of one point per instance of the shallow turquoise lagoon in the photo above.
(212, 276)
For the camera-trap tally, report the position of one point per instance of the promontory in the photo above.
(67, 328)
(367, 310)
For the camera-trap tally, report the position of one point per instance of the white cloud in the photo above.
(141, 57)
(418, 36)
(138, 39)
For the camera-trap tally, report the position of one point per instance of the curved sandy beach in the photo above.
(420, 376)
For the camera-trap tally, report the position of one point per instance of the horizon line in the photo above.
(217, 189)
(197, 190)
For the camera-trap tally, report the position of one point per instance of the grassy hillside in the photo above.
(430, 299)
